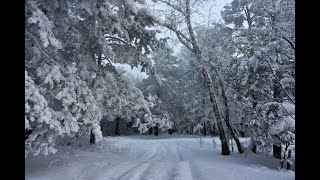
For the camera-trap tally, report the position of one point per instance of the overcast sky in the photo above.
(216, 7)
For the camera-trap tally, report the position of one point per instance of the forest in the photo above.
(205, 90)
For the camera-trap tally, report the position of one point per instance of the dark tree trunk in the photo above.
(276, 95)
(285, 157)
(248, 16)
(156, 130)
(99, 60)
(92, 138)
(128, 127)
(227, 119)
(233, 134)
(214, 133)
(277, 151)
(150, 130)
(242, 133)
(170, 131)
(116, 132)
(289, 157)
(175, 128)
(210, 129)
(204, 129)
(254, 148)
(276, 90)
(231, 144)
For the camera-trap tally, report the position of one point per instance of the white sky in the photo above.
(216, 7)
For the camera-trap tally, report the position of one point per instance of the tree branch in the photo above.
(174, 29)
(185, 43)
(118, 39)
(173, 6)
(39, 46)
(287, 94)
(184, 39)
(291, 44)
(190, 29)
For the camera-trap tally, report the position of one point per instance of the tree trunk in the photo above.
(214, 130)
(252, 145)
(277, 151)
(210, 129)
(116, 132)
(222, 135)
(242, 133)
(284, 158)
(231, 141)
(254, 148)
(289, 157)
(191, 43)
(99, 60)
(92, 138)
(248, 16)
(276, 90)
(175, 128)
(276, 95)
(156, 130)
(227, 119)
(150, 130)
(204, 129)
(170, 131)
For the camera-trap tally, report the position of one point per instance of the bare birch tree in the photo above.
(178, 20)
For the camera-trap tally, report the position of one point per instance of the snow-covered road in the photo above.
(153, 158)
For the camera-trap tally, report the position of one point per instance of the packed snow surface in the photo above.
(153, 158)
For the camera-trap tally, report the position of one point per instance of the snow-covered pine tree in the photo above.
(68, 45)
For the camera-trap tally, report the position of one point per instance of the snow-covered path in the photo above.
(151, 158)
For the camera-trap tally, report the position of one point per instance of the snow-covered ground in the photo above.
(151, 158)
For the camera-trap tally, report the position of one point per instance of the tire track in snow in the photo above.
(186, 169)
(183, 171)
(167, 161)
(178, 173)
(125, 165)
(138, 170)
(189, 152)
(164, 165)
(179, 153)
